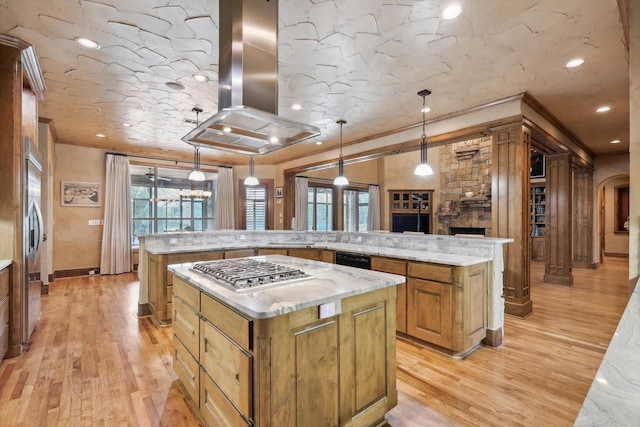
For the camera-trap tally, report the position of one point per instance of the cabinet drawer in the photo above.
(187, 369)
(4, 312)
(435, 272)
(387, 265)
(228, 365)
(269, 251)
(239, 253)
(186, 293)
(232, 324)
(215, 407)
(312, 254)
(4, 282)
(186, 326)
(4, 341)
(193, 257)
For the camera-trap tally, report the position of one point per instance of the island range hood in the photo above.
(247, 120)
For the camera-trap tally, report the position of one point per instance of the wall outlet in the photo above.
(92, 272)
(94, 222)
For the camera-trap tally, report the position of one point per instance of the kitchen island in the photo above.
(464, 275)
(314, 351)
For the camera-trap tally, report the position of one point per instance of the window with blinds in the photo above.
(256, 207)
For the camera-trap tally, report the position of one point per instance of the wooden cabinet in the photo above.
(294, 369)
(408, 208)
(306, 253)
(446, 305)
(4, 311)
(395, 266)
(538, 221)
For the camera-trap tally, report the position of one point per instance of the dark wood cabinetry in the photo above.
(410, 210)
(538, 221)
(4, 311)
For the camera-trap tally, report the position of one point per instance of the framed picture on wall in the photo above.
(80, 194)
(538, 165)
(279, 192)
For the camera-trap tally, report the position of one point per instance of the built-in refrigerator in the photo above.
(33, 238)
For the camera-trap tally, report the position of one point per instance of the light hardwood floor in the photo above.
(94, 363)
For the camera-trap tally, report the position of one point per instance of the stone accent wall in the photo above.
(465, 166)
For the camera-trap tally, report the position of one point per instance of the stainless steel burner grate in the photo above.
(246, 274)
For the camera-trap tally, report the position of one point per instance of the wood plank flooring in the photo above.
(94, 363)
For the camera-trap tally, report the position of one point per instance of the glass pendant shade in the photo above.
(251, 180)
(423, 169)
(341, 179)
(196, 174)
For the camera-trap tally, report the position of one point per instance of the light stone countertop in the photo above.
(4, 263)
(330, 284)
(614, 396)
(407, 254)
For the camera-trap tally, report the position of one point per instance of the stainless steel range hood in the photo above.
(247, 120)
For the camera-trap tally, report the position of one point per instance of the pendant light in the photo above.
(423, 169)
(251, 180)
(196, 174)
(341, 179)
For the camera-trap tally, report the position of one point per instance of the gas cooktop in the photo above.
(247, 274)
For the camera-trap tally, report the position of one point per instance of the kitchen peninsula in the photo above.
(319, 350)
(459, 272)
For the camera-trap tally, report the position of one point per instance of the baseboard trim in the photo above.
(494, 337)
(58, 274)
(144, 310)
(616, 255)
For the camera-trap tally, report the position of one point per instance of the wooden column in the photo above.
(583, 234)
(510, 212)
(559, 237)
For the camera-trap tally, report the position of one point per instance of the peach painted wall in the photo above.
(75, 243)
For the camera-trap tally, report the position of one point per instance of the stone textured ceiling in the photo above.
(359, 60)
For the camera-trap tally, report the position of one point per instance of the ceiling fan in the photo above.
(152, 176)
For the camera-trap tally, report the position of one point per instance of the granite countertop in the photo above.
(4, 263)
(407, 254)
(614, 396)
(330, 283)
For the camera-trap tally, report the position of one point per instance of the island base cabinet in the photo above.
(295, 369)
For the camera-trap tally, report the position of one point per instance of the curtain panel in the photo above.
(373, 221)
(224, 211)
(115, 256)
(301, 220)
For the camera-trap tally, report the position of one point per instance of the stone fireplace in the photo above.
(465, 168)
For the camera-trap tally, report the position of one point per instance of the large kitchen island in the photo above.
(317, 350)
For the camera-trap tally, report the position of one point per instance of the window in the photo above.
(355, 210)
(256, 207)
(320, 208)
(165, 200)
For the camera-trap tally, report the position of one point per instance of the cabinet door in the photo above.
(429, 311)
(316, 373)
(228, 365)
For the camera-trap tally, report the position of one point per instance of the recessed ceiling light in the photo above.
(226, 129)
(451, 12)
(318, 142)
(200, 77)
(101, 135)
(616, 141)
(603, 109)
(273, 139)
(425, 109)
(574, 63)
(127, 125)
(296, 107)
(175, 85)
(88, 43)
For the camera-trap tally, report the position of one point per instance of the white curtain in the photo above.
(373, 222)
(301, 204)
(115, 257)
(225, 202)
